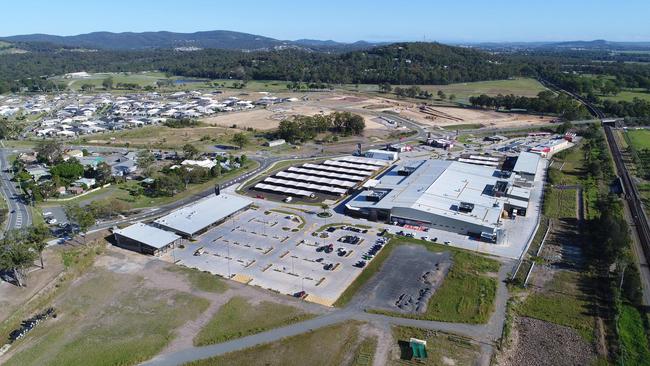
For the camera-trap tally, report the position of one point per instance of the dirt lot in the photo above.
(447, 116)
(536, 342)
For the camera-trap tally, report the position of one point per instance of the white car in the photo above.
(51, 221)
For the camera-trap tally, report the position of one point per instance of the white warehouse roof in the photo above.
(148, 235)
(198, 216)
(526, 163)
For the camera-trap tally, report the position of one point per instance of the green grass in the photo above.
(628, 96)
(521, 86)
(442, 348)
(98, 324)
(562, 302)
(239, 318)
(202, 281)
(466, 295)
(360, 226)
(560, 203)
(634, 342)
(640, 139)
(321, 347)
(365, 353)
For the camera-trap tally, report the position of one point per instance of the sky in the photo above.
(344, 21)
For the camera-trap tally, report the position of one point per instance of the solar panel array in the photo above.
(285, 190)
(321, 173)
(306, 186)
(318, 180)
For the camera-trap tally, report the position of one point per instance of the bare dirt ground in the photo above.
(536, 342)
(447, 116)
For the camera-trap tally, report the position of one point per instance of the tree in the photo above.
(87, 87)
(145, 160)
(103, 173)
(240, 139)
(83, 217)
(190, 151)
(68, 170)
(452, 97)
(243, 159)
(385, 88)
(441, 94)
(49, 151)
(108, 83)
(16, 255)
(35, 237)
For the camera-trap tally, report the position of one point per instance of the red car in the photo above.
(259, 196)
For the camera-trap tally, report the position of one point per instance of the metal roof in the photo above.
(313, 179)
(306, 186)
(285, 190)
(336, 169)
(148, 235)
(201, 214)
(326, 174)
(526, 163)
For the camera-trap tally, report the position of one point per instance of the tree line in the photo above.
(545, 102)
(304, 128)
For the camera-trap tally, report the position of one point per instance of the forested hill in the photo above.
(400, 63)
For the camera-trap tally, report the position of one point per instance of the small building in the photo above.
(145, 239)
(277, 142)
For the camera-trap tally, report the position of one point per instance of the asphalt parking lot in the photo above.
(277, 251)
(407, 280)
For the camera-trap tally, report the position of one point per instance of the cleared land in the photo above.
(628, 95)
(141, 79)
(523, 86)
(442, 348)
(334, 345)
(239, 318)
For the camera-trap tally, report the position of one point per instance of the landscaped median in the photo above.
(467, 294)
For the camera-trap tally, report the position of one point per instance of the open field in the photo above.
(634, 342)
(442, 348)
(640, 139)
(239, 318)
(142, 79)
(561, 303)
(101, 315)
(628, 95)
(334, 345)
(560, 203)
(162, 137)
(521, 86)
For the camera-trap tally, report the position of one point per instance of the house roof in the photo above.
(148, 235)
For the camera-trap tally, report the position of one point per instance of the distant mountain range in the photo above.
(595, 45)
(209, 39)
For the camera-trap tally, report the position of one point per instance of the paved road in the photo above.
(19, 213)
(486, 335)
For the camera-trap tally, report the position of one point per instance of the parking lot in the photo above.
(277, 251)
(407, 280)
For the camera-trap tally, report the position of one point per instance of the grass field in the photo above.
(142, 79)
(239, 318)
(640, 139)
(99, 325)
(162, 137)
(329, 346)
(464, 126)
(466, 295)
(202, 281)
(560, 203)
(442, 348)
(628, 95)
(563, 303)
(634, 342)
(522, 86)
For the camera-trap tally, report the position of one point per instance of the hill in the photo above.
(220, 39)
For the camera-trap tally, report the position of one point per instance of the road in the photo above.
(19, 212)
(485, 334)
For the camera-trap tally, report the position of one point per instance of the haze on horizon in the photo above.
(343, 21)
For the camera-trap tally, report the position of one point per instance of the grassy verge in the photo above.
(302, 220)
(365, 353)
(238, 318)
(560, 203)
(324, 346)
(201, 281)
(562, 303)
(466, 295)
(633, 340)
(442, 348)
(324, 227)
